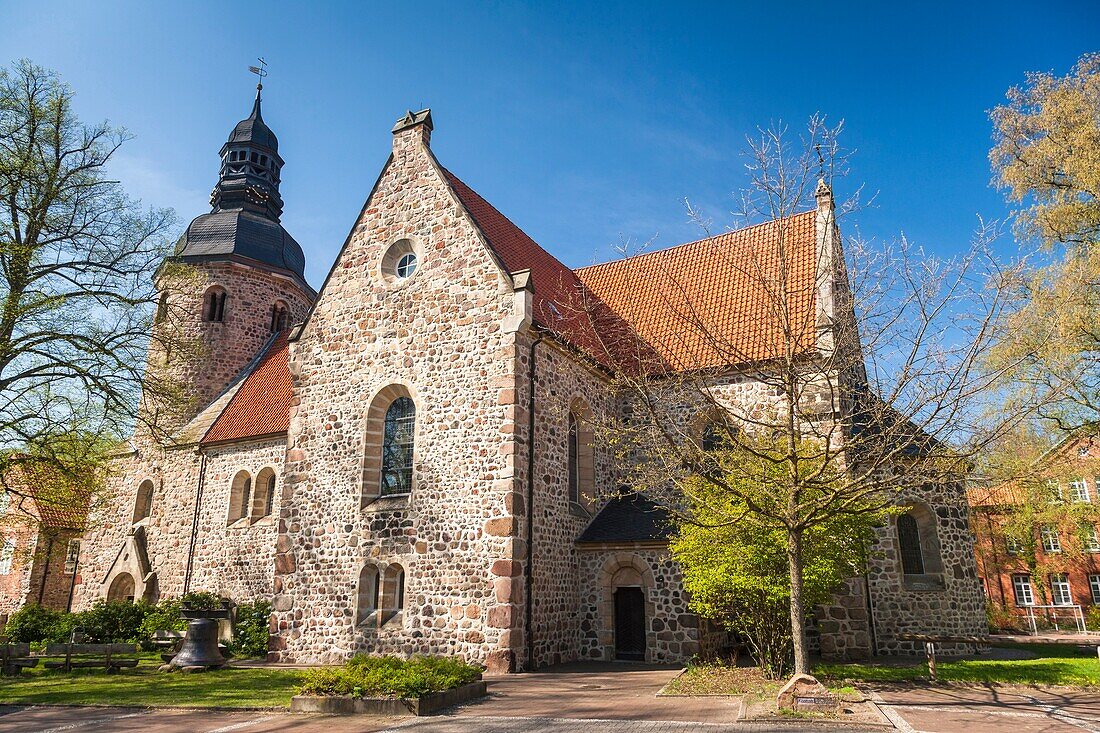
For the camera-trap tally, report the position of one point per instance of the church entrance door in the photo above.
(630, 624)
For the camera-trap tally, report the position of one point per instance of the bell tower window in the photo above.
(280, 317)
(213, 306)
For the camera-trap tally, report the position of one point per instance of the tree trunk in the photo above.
(798, 615)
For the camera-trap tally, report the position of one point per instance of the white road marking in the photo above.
(898, 721)
(243, 724)
(94, 721)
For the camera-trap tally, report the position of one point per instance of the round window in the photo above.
(406, 266)
(400, 261)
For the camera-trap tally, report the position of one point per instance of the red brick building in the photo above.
(40, 531)
(1058, 564)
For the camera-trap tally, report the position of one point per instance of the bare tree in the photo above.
(823, 381)
(76, 296)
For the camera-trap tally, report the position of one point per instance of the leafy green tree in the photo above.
(76, 297)
(1046, 157)
(736, 561)
(1046, 153)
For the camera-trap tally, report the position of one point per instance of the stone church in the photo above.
(400, 461)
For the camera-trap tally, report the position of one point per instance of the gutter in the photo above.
(528, 574)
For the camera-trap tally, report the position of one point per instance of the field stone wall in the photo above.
(957, 608)
(237, 561)
(562, 383)
(210, 354)
(673, 632)
(441, 334)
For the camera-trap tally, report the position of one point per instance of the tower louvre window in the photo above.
(213, 310)
(280, 317)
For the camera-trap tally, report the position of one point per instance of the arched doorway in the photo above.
(122, 588)
(630, 623)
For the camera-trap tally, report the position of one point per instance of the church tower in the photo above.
(243, 278)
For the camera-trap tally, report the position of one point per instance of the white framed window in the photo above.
(1051, 542)
(1013, 546)
(1091, 539)
(1079, 490)
(400, 261)
(1094, 588)
(1056, 494)
(1021, 589)
(406, 266)
(1060, 593)
(5, 502)
(7, 553)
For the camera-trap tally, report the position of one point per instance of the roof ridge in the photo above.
(640, 255)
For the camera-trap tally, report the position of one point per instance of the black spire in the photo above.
(249, 177)
(244, 223)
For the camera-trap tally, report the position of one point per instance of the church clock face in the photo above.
(256, 196)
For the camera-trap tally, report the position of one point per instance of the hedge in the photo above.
(122, 621)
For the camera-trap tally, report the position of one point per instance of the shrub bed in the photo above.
(122, 621)
(389, 677)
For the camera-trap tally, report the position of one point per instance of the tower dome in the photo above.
(246, 205)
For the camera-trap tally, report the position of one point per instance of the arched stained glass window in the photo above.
(912, 557)
(574, 460)
(397, 447)
(712, 437)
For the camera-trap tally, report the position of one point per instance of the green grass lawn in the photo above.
(145, 686)
(1056, 664)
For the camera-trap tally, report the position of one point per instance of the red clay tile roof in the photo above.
(714, 302)
(261, 405)
(561, 302)
(656, 309)
(58, 502)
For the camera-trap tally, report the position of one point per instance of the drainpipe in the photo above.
(529, 580)
(72, 586)
(45, 570)
(870, 613)
(195, 523)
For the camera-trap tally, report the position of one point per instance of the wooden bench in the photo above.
(90, 656)
(930, 641)
(168, 641)
(15, 657)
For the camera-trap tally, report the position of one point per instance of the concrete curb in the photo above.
(429, 704)
(884, 723)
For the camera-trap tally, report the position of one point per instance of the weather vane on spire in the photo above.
(260, 72)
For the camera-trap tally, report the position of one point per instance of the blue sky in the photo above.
(585, 123)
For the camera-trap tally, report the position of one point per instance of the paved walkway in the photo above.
(990, 710)
(601, 699)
